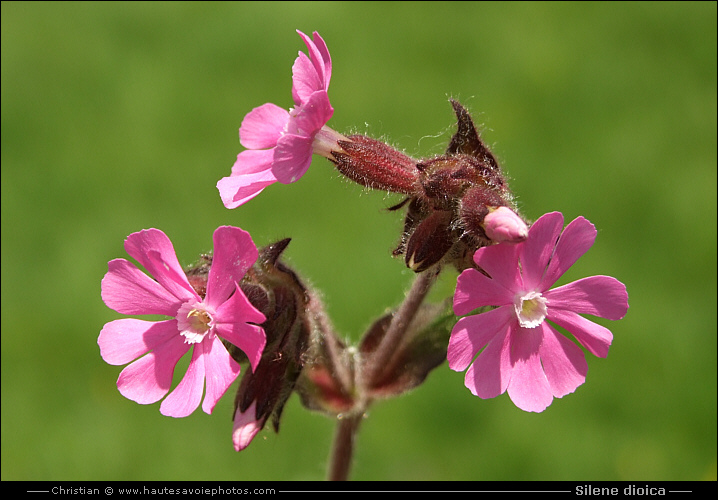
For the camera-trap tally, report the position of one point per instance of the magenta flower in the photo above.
(280, 143)
(522, 353)
(197, 322)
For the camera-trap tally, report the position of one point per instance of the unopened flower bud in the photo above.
(503, 225)
(246, 426)
(430, 241)
(276, 291)
(452, 195)
(376, 165)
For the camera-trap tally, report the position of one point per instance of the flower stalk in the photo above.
(381, 359)
(343, 447)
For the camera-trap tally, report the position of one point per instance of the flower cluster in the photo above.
(244, 305)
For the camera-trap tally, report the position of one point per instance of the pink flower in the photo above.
(197, 322)
(522, 353)
(280, 143)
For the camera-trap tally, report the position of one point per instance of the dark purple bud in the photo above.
(474, 206)
(430, 241)
(278, 293)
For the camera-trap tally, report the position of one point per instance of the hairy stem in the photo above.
(398, 326)
(343, 447)
(347, 426)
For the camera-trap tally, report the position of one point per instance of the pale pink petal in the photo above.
(575, 241)
(474, 290)
(537, 250)
(246, 426)
(472, 333)
(292, 158)
(305, 79)
(324, 56)
(222, 370)
(153, 249)
(253, 161)
(594, 337)
(234, 253)
(231, 322)
(602, 296)
(528, 388)
(128, 290)
(262, 127)
(489, 375)
(501, 262)
(149, 378)
(185, 398)
(319, 55)
(237, 190)
(563, 362)
(313, 72)
(124, 340)
(308, 119)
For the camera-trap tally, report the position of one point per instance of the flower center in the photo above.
(531, 309)
(194, 320)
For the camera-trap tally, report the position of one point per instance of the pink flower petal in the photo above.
(124, 340)
(128, 290)
(231, 322)
(563, 362)
(149, 378)
(185, 398)
(489, 375)
(292, 158)
(153, 249)
(246, 426)
(222, 370)
(594, 337)
(237, 190)
(325, 57)
(528, 388)
(501, 262)
(253, 161)
(305, 79)
(472, 333)
(537, 250)
(310, 117)
(575, 241)
(319, 55)
(474, 290)
(313, 72)
(234, 254)
(262, 127)
(602, 296)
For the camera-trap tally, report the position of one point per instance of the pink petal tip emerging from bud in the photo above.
(245, 427)
(503, 225)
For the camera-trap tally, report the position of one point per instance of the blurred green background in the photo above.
(122, 116)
